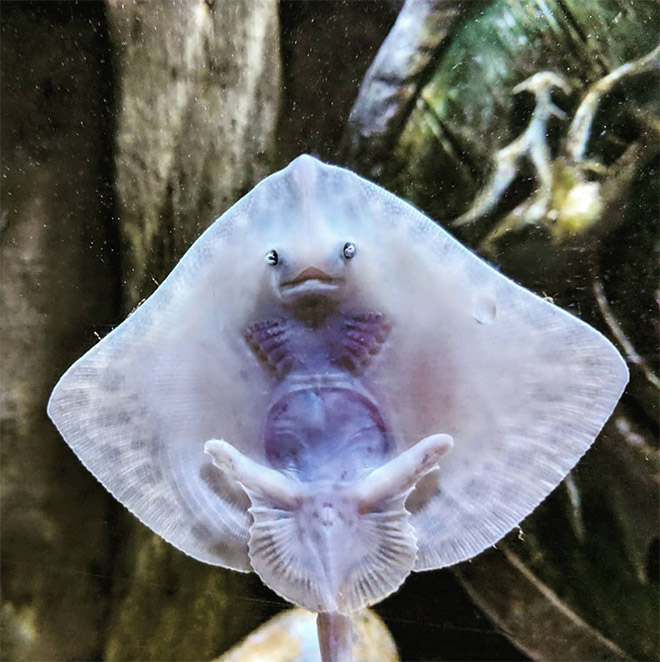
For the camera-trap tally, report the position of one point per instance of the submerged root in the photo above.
(572, 192)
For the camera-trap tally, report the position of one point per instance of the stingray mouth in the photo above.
(311, 281)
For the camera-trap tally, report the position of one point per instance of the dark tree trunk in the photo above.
(126, 129)
(57, 287)
(197, 88)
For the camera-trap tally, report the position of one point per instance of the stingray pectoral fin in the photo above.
(401, 473)
(326, 555)
(255, 478)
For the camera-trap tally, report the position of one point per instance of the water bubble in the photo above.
(484, 309)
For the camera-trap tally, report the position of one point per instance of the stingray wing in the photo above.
(138, 407)
(522, 386)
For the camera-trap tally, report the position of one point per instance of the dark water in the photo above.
(81, 579)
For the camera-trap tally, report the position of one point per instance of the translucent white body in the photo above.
(429, 434)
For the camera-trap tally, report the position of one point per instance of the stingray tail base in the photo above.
(329, 546)
(335, 637)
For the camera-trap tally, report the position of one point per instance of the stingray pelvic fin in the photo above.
(256, 478)
(332, 546)
(400, 474)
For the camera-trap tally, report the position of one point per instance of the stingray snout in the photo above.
(311, 273)
(311, 282)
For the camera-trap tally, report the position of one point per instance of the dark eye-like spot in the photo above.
(272, 258)
(349, 250)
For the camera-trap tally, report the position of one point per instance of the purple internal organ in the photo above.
(325, 433)
(323, 425)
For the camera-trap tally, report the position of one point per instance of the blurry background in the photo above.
(128, 127)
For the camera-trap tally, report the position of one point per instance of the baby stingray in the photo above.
(330, 391)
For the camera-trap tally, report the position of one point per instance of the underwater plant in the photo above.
(568, 198)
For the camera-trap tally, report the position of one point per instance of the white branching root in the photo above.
(572, 192)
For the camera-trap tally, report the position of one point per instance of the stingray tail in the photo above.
(335, 637)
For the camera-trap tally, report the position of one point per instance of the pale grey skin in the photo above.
(521, 388)
(331, 477)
